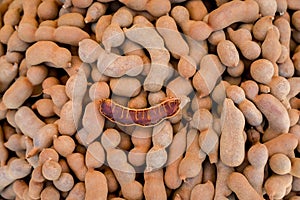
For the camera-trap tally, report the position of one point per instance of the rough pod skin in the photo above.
(271, 107)
(233, 11)
(17, 93)
(241, 187)
(49, 52)
(154, 187)
(159, 55)
(232, 141)
(205, 79)
(95, 185)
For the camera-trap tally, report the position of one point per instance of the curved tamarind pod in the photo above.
(140, 117)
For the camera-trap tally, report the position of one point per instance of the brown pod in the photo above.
(37, 74)
(228, 53)
(12, 16)
(15, 142)
(44, 107)
(186, 66)
(113, 65)
(205, 190)
(295, 20)
(167, 28)
(48, 154)
(58, 95)
(95, 11)
(241, 187)
(71, 39)
(71, 19)
(64, 145)
(82, 3)
(210, 71)
(267, 8)
(19, 187)
(258, 158)
(113, 36)
(196, 29)
(176, 151)
(3, 150)
(250, 49)
(295, 167)
(191, 164)
(242, 38)
(8, 72)
(160, 69)
(280, 163)
(28, 23)
(92, 121)
(50, 193)
(197, 9)
(35, 189)
(16, 44)
(32, 159)
(18, 168)
(95, 185)
(21, 88)
(268, 105)
(66, 124)
(5, 32)
(285, 54)
(103, 22)
(179, 87)
(184, 191)
(48, 52)
(116, 85)
(271, 47)
(262, 71)
(216, 18)
(89, 50)
(293, 5)
(112, 182)
(77, 192)
(37, 174)
(44, 33)
(236, 71)
(139, 101)
(77, 164)
(43, 138)
(276, 186)
(48, 9)
(286, 69)
(14, 56)
(154, 187)
(8, 192)
(95, 155)
(155, 7)
(216, 37)
(65, 182)
(284, 143)
(51, 170)
(233, 123)
(99, 90)
(25, 116)
(285, 31)
(141, 139)
(294, 87)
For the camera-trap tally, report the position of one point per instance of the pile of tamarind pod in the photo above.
(217, 80)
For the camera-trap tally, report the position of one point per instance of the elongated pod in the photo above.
(140, 117)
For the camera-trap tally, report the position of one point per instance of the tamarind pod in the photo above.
(141, 117)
